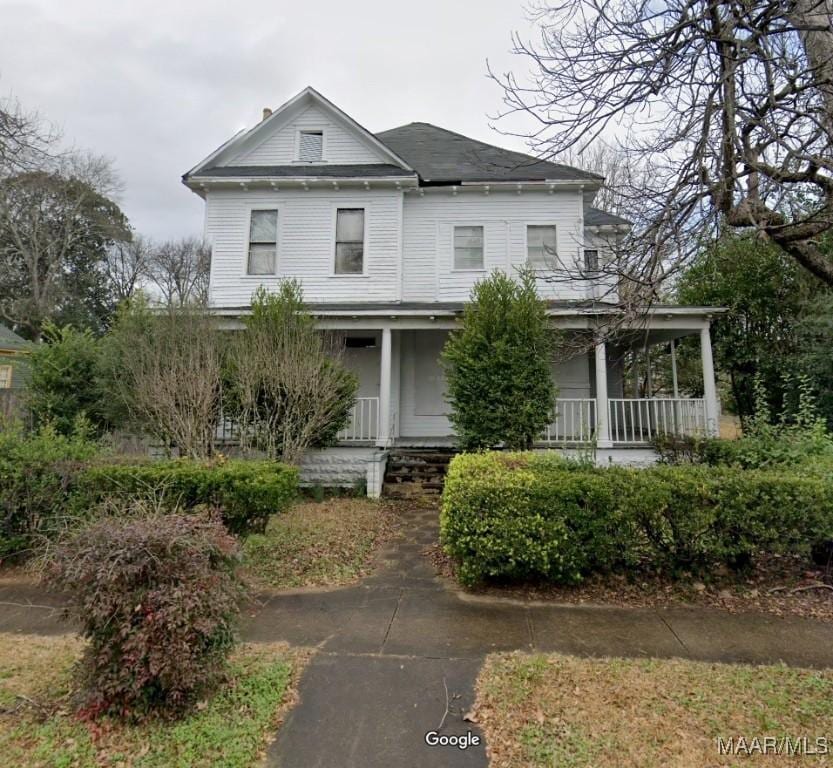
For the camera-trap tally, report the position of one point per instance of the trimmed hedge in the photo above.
(49, 481)
(524, 515)
(246, 492)
(36, 471)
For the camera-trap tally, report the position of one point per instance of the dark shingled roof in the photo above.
(377, 170)
(10, 340)
(593, 217)
(444, 157)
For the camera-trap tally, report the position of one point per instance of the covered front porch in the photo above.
(401, 397)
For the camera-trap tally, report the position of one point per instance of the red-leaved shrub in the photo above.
(158, 598)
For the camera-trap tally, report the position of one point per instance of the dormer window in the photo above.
(311, 146)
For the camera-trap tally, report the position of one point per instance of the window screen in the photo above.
(311, 146)
(349, 241)
(468, 247)
(263, 243)
(541, 246)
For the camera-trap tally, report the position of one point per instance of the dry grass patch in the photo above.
(232, 728)
(552, 710)
(317, 544)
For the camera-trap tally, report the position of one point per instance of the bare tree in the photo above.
(164, 370)
(180, 271)
(26, 140)
(127, 265)
(729, 102)
(289, 390)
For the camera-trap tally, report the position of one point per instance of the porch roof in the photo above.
(394, 309)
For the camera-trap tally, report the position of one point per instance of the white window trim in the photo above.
(350, 205)
(527, 225)
(297, 153)
(468, 270)
(247, 234)
(7, 368)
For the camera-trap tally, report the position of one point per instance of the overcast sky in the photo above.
(157, 84)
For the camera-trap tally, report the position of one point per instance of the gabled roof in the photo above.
(10, 340)
(298, 102)
(441, 156)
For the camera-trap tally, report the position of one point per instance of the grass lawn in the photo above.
(231, 728)
(552, 710)
(316, 544)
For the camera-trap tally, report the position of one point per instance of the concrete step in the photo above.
(413, 473)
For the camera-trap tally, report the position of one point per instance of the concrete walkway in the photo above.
(398, 654)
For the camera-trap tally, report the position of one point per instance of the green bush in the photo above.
(157, 597)
(519, 516)
(246, 492)
(498, 365)
(36, 472)
(64, 379)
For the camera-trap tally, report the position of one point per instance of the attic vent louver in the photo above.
(311, 146)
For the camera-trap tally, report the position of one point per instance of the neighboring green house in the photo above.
(14, 365)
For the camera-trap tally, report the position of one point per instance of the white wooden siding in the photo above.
(423, 411)
(428, 251)
(342, 146)
(409, 242)
(306, 244)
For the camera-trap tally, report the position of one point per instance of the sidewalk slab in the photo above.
(595, 631)
(713, 635)
(374, 712)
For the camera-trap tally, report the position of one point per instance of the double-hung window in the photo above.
(468, 247)
(540, 246)
(5, 377)
(349, 241)
(263, 243)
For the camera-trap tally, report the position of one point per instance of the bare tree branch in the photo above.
(729, 103)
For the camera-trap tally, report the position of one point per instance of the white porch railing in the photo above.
(633, 420)
(575, 421)
(363, 425)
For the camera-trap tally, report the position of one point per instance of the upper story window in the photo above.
(468, 247)
(349, 241)
(5, 377)
(591, 260)
(263, 243)
(311, 146)
(540, 245)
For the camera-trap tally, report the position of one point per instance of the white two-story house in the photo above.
(388, 232)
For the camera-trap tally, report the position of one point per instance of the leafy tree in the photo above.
(64, 383)
(288, 389)
(498, 365)
(775, 325)
(55, 229)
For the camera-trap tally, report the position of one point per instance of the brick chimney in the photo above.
(266, 113)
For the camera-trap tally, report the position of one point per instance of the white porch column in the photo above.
(602, 415)
(709, 386)
(674, 382)
(384, 438)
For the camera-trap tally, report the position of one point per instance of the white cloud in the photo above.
(157, 85)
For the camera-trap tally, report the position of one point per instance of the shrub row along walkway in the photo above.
(398, 654)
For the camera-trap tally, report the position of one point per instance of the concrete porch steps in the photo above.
(416, 472)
